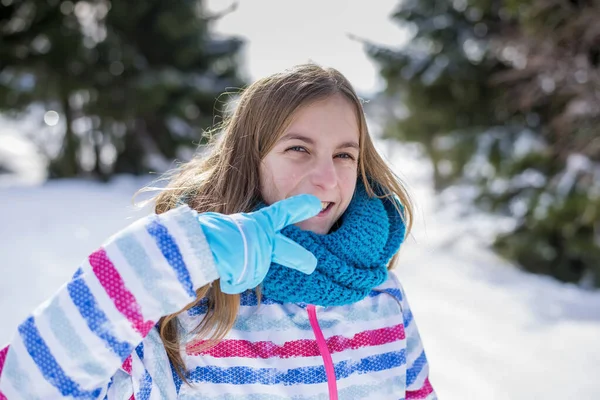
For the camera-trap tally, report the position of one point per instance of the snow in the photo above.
(20, 162)
(490, 331)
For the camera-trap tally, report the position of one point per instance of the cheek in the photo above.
(276, 181)
(348, 184)
(266, 183)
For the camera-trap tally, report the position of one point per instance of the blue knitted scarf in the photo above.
(351, 260)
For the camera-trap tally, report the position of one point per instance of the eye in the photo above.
(347, 156)
(299, 149)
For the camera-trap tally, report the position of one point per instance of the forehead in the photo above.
(333, 116)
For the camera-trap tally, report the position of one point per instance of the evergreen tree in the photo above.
(504, 95)
(40, 48)
(135, 81)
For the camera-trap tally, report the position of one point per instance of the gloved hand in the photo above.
(244, 245)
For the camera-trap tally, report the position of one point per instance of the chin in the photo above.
(319, 230)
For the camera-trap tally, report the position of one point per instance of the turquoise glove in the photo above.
(244, 245)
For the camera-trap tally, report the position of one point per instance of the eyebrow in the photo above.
(297, 136)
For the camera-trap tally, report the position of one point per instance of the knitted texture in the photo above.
(351, 260)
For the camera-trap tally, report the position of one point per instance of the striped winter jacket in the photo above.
(96, 338)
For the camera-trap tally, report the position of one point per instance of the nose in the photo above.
(324, 174)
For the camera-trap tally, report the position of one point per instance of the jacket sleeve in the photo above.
(74, 344)
(417, 367)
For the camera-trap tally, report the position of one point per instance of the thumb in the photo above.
(292, 210)
(290, 254)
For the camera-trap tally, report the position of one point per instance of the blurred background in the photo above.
(489, 110)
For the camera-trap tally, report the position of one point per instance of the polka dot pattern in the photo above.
(127, 365)
(3, 354)
(295, 376)
(124, 301)
(96, 318)
(47, 364)
(169, 249)
(297, 348)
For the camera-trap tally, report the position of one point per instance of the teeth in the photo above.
(324, 205)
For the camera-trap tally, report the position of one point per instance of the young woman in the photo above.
(263, 273)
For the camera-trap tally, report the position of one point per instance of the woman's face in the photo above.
(317, 154)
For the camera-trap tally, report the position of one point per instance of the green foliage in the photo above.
(504, 95)
(138, 79)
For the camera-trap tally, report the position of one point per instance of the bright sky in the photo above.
(281, 33)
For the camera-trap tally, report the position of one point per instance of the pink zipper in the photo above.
(329, 370)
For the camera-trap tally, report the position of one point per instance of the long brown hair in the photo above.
(226, 180)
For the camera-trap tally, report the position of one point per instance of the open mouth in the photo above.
(325, 207)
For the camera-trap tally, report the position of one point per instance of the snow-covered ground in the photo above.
(491, 332)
